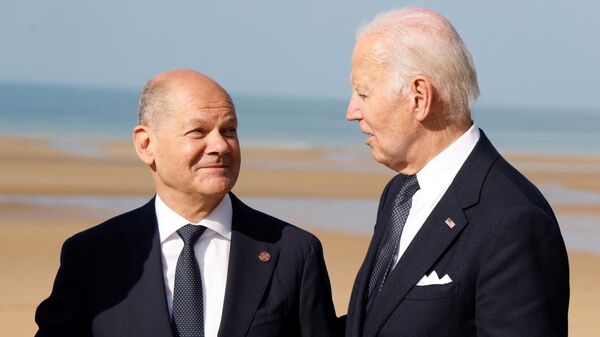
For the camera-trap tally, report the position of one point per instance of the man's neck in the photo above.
(430, 145)
(192, 207)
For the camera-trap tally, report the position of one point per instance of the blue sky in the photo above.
(528, 53)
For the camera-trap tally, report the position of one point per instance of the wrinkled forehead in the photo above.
(189, 107)
(201, 96)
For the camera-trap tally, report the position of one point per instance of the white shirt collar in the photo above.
(219, 220)
(435, 177)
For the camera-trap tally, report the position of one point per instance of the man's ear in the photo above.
(143, 146)
(422, 97)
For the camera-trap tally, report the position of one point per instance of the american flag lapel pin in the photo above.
(450, 223)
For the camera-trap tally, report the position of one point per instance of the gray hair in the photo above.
(420, 42)
(153, 102)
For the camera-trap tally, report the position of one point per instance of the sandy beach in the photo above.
(31, 233)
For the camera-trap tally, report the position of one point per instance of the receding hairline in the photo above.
(158, 92)
(422, 42)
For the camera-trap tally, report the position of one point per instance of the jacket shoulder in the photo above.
(515, 188)
(116, 226)
(270, 228)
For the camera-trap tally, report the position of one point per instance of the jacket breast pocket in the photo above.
(434, 292)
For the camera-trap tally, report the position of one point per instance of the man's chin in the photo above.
(382, 159)
(215, 186)
(377, 155)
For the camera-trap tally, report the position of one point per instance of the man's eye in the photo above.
(230, 132)
(362, 96)
(195, 132)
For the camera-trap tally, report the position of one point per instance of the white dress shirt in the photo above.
(434, 179)
(212, 254)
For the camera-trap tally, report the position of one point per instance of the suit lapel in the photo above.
(147, 297)
(427, 246)
(247, 276)
(357, 305)
(435, 235)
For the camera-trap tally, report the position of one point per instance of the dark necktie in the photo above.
(188, 310)
(391, 240)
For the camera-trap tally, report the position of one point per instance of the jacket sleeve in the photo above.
(63, 313)
(317, 314)
(523, 283)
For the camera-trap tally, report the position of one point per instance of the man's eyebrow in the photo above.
(200, 120)
(230, 119)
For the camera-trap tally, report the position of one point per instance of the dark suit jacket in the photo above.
(110, 281)
(505, 255)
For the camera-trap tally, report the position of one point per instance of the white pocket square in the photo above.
(433, 279)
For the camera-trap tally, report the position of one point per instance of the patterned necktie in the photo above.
(391, 240)
(188, 310)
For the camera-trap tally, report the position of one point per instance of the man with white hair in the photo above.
(464, 245)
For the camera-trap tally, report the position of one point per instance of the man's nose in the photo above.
(353, 112)
(216, 143)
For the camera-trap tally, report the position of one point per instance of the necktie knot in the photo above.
(190, 233)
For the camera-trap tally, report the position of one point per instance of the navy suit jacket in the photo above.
(505, 256)
(110, 281)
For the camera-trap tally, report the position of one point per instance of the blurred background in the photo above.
(71, 73)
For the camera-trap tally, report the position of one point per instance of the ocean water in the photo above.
(580, 231)
(279, 121)
(83, 113)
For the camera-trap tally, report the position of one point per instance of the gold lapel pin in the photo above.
(450, 223)
(264, 256)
